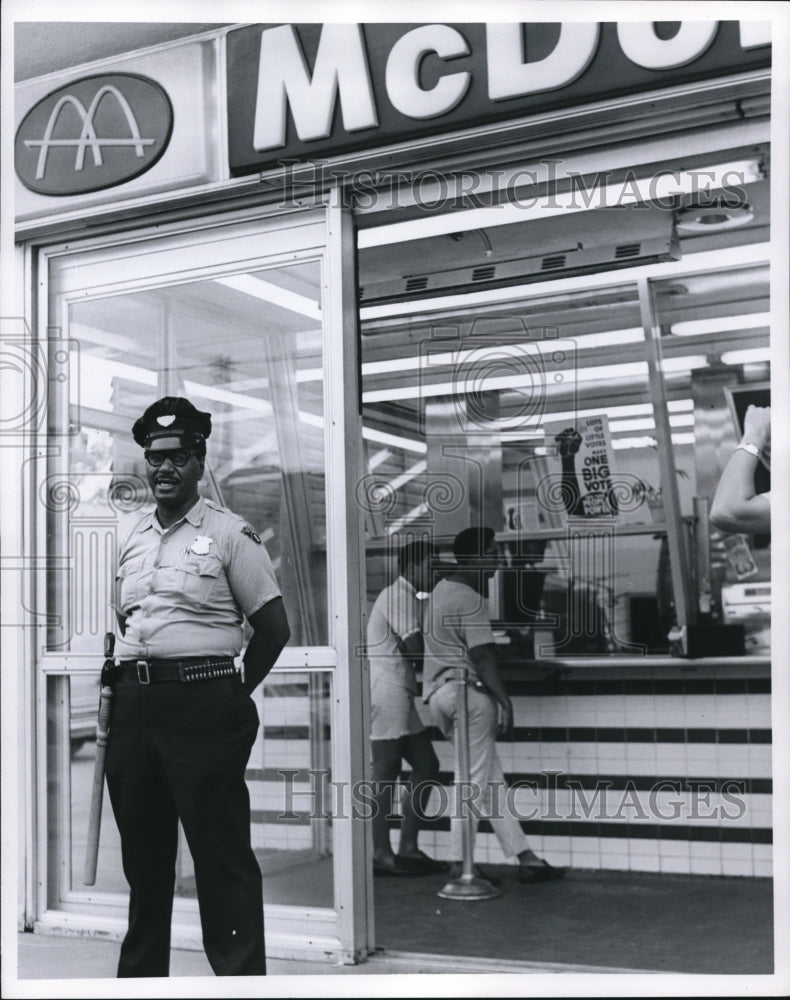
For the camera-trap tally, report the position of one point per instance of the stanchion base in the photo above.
(469, 887)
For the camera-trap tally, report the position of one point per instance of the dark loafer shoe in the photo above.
(422, 860)
(540, 872)
(398, 870)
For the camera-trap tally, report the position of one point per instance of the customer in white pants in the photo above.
(458, 634)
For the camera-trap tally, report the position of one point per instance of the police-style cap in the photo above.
(172, 422)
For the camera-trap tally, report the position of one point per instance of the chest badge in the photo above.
(201, 545)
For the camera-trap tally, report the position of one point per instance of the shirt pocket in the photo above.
(198, 576)
(132, 580)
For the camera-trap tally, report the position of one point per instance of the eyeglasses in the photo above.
(179, 457)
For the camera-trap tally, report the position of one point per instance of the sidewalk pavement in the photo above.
(598, 922)
(63, 957)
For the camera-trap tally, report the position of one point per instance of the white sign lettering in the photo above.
(403, 71)
(340, 71)
(510, 76)
(642, 45)
(755, 33)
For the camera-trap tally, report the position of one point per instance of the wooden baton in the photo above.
(97, 795)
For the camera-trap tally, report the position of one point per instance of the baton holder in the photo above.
(467, 885)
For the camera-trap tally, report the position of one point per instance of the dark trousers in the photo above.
(388, 755)
(179, 751)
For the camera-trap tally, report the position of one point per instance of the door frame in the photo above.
(344, 933)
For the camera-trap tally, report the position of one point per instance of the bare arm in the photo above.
(736, 507)
(411, 647)
(487, 668)
(270, 632)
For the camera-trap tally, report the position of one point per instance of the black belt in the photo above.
(186, 670)
(475, 683)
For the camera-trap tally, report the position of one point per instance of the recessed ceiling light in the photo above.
(713, 218)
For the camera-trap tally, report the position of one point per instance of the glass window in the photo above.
(534, 417)
(722, 319)
(288, 774)
(246, 347)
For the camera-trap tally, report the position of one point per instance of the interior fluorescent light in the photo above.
(609, 338)
(648, 424)
(266, 291)
(236, 399)
(312, 419)
(415, 470)
(394, 440)
(684, 364)
(631, 410)
(621, 444)
(407, 518)
(725, 257)
(693, 327)
(93, 389)
(746, 357)
(378, 458)
(636, 370)
(628, 192)
(115, 341)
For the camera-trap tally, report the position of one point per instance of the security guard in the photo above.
(183, 722)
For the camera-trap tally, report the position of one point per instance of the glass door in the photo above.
(237, 318)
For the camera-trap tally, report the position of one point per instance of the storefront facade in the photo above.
(396, 262)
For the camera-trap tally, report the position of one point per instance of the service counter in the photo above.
(649, 763)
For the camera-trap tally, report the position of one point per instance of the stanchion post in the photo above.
(467, 885)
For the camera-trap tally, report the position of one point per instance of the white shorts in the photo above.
(392, 710)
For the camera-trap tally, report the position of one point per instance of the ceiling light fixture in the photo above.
(720, 324)
(609, 338)
(266, 291)
(636, 370)
(713, 218)
(746, 357)
(654, 187)
(715, 260)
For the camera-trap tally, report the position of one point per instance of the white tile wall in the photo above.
(758, 711)
(675, 864)
(644, 862)
(663, 760)
(736, 866)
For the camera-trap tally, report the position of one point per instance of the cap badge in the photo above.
(201, 545)
(166, 419)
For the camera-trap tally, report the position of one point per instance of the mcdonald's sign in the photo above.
(93, 133)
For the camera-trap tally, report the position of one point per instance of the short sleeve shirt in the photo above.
(457, 621)
(394, 615)
(186, 589)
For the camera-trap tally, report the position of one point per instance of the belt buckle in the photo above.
(144, 677)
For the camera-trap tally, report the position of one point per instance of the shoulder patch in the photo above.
(247, 530)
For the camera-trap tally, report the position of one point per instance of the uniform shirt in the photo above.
(457, 621)
(185, 589)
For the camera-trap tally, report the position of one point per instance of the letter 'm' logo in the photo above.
(94, 133)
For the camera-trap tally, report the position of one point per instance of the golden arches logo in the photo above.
(87, 137)
(118, 125)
